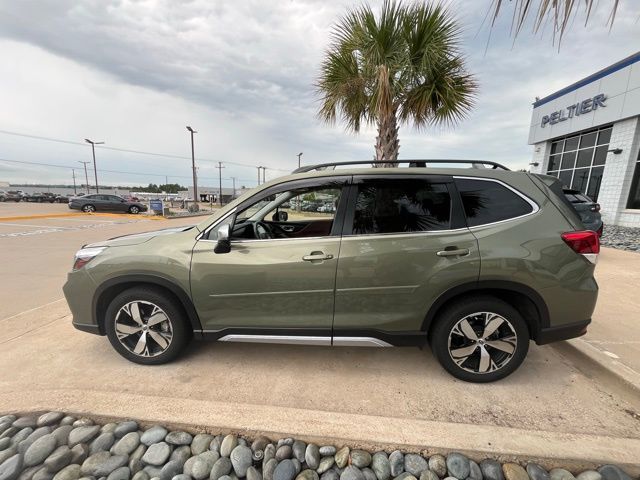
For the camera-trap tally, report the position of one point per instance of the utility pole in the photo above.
(259, 175)
(234, 187)
(86, 177)
(73, 172)
(299, 155)
(93, 150)
(264, 170)
(193, 165)
(220, 167)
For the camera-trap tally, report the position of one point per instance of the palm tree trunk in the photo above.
(387, 143)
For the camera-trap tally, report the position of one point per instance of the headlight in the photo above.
(85, 255)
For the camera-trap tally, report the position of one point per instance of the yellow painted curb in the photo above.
(61, 215)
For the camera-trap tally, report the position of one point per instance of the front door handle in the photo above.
(317, 256)
(453, 252)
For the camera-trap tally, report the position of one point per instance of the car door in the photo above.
(405, 243)
(271, 289)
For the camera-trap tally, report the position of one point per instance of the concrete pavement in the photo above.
(551, 409)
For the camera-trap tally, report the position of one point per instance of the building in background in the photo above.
(588, 135)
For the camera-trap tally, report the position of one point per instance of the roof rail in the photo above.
(412, 163)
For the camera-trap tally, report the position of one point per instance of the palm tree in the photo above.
(402, 66)
(558, 12)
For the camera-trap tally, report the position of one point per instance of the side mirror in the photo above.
(280, 216)
(224, 244)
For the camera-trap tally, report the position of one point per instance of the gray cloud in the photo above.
(249, 68)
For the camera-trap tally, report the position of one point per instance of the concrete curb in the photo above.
(575, 452)
(583, 351)
(62, 215)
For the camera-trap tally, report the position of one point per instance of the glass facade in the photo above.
(578, 160)
(634, 193)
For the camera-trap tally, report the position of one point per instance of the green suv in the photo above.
(475, 262)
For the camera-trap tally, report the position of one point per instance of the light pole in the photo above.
(264, 170)
(86, 177)
(220, 167)
(73, 172)
(193, 165)
(259, 175)
(93, 150)
(233, 196)
(299, 155)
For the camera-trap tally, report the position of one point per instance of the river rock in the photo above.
(474, 471)
(298, 450)
(5, 443)
(253, 473)
(157, 454)
(49, 418)
(268, 468)
(312, 456)
(308, 474)
(79, 453)
(283, 452)
(102, 464)
(589, 475)
(121, 473)
(381, 466)
(352, 473)
(70, 472)
(182, 454)
(61, 434)
(513, 471)
(222, 467)
(178, 438)
(228, 444)
(200, 443)
(43, 474)
(342, 457)
(360, 458)
(327, 450)
(125, 427)
(170, 470)
(59, 458)
(39, 450)
(561, 474)
(24, 422)
(613, 472)
(330, 475)
(104, 441)
(142, 475)
(491, 469)
(458, 466)
(415, 464)
(10, 469)
(536, 472)
(285, 470)
(241, 459)
(325, 464)
(396, 460)
(429, 475)
(155, 434)
(83, 434)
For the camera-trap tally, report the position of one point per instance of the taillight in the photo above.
(585, 243)
(595, 207)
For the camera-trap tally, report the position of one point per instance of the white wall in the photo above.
(622, 89)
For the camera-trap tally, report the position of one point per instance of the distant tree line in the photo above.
(166, 188)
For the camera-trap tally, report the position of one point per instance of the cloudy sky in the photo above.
(134, 73)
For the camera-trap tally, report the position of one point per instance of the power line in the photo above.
(24, 162)
(125, 150)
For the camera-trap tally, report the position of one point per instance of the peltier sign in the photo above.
(585, 106)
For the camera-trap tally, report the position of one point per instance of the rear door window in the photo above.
(401, 206)
(487, 201)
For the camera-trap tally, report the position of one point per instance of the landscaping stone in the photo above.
(396, 460)
(200, 443)
(325, 464)
(222, 467)
(104, 441)
(39, 450)
(430, 475)
(351, 473)
(360, 458)
(381, 466)
(438, 465)
(342, 457)
(125, 427)
(241, 459)
(10, 469)
(536, 472)
(312, 456)
(178, 438)
(83, 434)
(102, 464)
(59, 458)
(589, 475)
(561, 474)
(155, 434)
(49, 418)
(285, 470)
(228, 444)
(613, 472)
(70, 472)
(513, 471)
(415, 464)
(157, 454)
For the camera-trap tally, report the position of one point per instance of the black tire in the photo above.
(180, 325)
(467, 307)
(88, 208)
(134, 210)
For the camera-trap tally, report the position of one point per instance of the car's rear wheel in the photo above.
(133, 209)
(146, 326)
(480, 339)
(88, 208)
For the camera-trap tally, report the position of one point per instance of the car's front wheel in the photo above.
(133, 209)
(88, 208)
(480, 339)
(146, 326)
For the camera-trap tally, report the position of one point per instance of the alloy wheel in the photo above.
(134, 210)
(482, 342)
(143, 328)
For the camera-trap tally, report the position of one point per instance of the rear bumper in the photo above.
(562, 332)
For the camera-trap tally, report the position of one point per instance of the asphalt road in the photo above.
(400, 394)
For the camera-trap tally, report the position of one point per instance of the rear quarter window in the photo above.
(486, 201)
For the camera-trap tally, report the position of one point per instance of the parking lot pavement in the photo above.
(613, 338)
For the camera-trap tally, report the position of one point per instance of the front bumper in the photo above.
(79, 292)
(562, 332)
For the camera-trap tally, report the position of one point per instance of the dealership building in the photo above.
(588, 135)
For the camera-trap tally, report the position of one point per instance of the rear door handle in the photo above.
(317, 256)
(454, 252)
